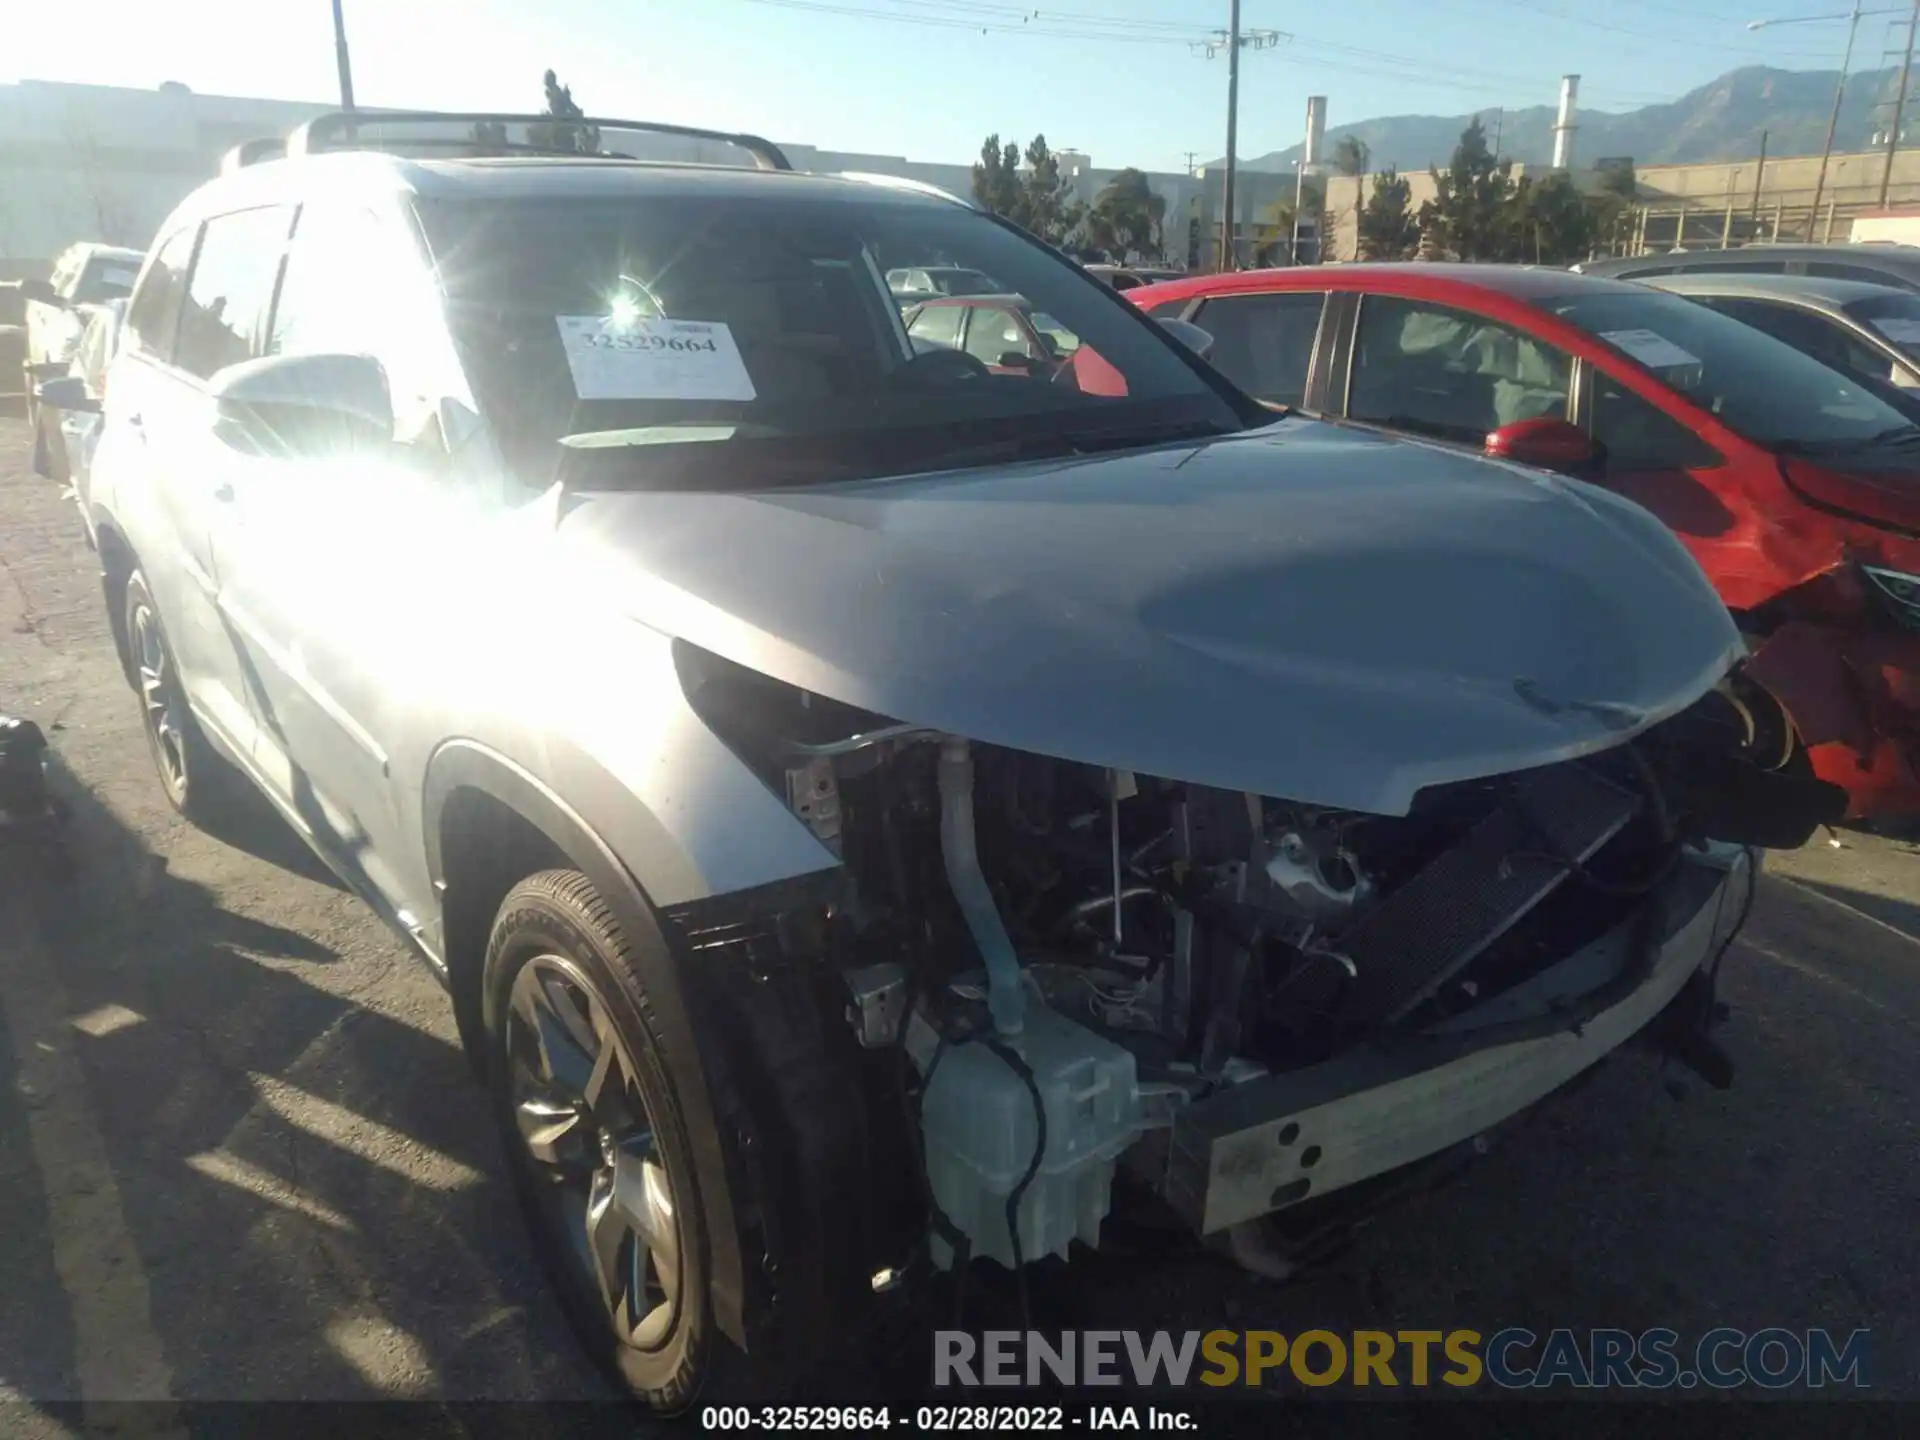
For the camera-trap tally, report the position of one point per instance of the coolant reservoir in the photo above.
(978, 1121)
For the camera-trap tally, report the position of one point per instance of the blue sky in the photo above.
(928, 78)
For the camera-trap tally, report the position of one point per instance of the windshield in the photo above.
(107, 277)
(629, 330)
(1895, 315)
(1754, 384)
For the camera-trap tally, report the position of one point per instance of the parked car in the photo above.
(1002, 332)
(1872, 264)
(1796, 487)
(911, 284)
(86, 275)
(73, 402)
(855, 796)
(1871, 332)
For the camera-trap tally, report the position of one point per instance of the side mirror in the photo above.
(67, 392)
(1546, 443)
(1015, 360)
(41, 292)
(308, 405)
(1189, 335)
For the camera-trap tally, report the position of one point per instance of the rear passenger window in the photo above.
(1264, 343)
(1450, 374)
(938, 325)
(154, 314)
(230, 289)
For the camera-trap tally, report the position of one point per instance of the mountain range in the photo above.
(1721, 120)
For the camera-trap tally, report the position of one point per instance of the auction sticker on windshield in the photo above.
(1654, 351)
(619, 359)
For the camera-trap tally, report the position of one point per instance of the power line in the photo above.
(982, 21)
(987, 17)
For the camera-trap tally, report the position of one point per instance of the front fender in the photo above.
(465, 764)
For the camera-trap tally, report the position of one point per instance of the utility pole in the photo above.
(1230, 248)
(1193, 155)
(1899, 107)
(1852, 17)
(1231, 40)
(340, 57)
(1833, 120)
(1759, 174)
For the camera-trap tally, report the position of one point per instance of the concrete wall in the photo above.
(92, 162)
(1852, 179)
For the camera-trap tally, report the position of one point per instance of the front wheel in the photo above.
(595, 1141)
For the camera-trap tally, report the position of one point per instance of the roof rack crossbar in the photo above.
(337, 131)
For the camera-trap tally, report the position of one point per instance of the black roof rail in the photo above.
(348, 130)
(253, 152)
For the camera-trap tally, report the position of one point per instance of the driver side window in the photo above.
(1443, 372)
(353, 285)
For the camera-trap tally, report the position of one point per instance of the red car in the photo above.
(1795, 486)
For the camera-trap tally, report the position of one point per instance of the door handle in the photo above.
(223, 492)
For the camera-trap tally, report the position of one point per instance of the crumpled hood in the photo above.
(1303, 611)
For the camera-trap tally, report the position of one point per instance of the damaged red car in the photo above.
(1795, 486)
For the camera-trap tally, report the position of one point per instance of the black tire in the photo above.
(554, 935)
(195, 777)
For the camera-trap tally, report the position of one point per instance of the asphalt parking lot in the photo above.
(241, 1156)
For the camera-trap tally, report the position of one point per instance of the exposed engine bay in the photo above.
(1071, 956)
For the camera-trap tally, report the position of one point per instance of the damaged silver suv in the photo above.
(868, 799)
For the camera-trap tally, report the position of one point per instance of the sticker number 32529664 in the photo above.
(653, 359)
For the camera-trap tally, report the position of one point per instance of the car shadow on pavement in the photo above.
(245, 819)
(306, 1187)
(1901, 915)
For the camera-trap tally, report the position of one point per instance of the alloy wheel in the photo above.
(603, 1183)
(159, 698)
